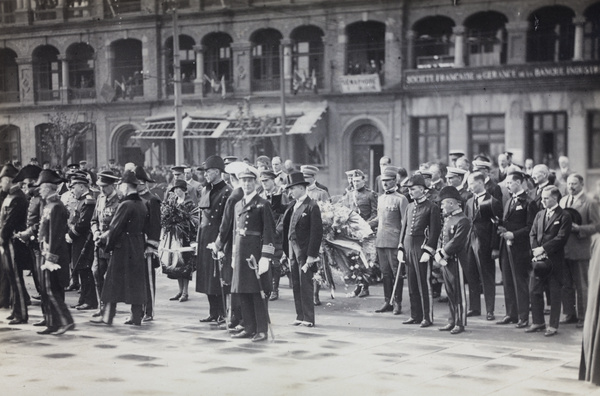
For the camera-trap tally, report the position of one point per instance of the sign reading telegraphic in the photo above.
(500, 73)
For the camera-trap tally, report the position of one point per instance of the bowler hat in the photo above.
(106, 178)
(9, 170)
(214, 162)
(295, 179)
(179, 184)
(541, 267)
(27, 172)
(48, 176)
(449, 192)
(141, 175)
(414, 180)
(129, 178)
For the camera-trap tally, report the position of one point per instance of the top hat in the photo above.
(106, 178)
(28, 172)
(575, 215)
(449, 192)
(295, 179)
(216, 162)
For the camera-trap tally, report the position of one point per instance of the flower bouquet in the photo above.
(178, 222)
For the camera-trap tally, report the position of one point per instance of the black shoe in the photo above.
(40, 323)
(397, 308)
(411, 321)
(425, 323)
(443, 299)
(64, 329)
(147, 318)
(357, 290)
(296, 322)
(10, 317)
(175, 297)
(220, 320)
(259, 337)
(569, 319)
(97, 314)
(506, 320)
(242, 334)
(236, 329)
(76, 306)
(85, 307)
(17, 322)
(364, 292)
(184, 297)
(550, 332)
(457, 330)
(448, 327)
(490, 316)
(522, 324)
(48, 330)
(307, 324)
(535, 328)
(316, 301)
(274, 295)
(209, 318)
(72, 287)
(473, 312)
(386, 307)
(131, 322)
(38, 297)
(100, 321)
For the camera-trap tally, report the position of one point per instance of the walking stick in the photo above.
(254, 266)
(397, 276)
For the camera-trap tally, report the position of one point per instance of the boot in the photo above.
(275, 292)
(397, 308)
(274, 295)
(386, 307)
(365, 291)
(316, 300)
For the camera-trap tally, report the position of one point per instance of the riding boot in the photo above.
(317, 287)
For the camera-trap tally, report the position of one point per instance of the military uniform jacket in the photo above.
(454, 237)
(212, 204)
(422, 220)
(391, 207)
(224, 240)
(253, 234)
(126, 269)
(79, 229)
(317, 194)
(34, 214)
(102, 216)
(483, 228)
(552, 235)
(363, 202)
(519, 214)
(13, 218)
(579, 244)
(53, 228)
(305, 227)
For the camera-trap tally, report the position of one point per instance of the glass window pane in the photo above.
(422, 129)
(497, 123)
(443, 125)
(536, 122)
(548, 122)
(479, 124)
(596, 120)
(595, 149)
(432, 125)
(560, 121)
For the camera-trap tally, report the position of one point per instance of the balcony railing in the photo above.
(82, 93)
(46, 15)
(187, 88)
(9, 97)
(435, 61)
(47, 95)
(266, 84)
(79, 12)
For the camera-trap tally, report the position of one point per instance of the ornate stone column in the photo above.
(459, 46)
(517, 42)
(64, 85)
(241, 52)
(579, 22)
(287, 63)
(26, 94)
(199, 81)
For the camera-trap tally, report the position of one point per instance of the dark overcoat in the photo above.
(54, 247)
(79, 230)
(225, 241)
(125, 274)
(13, 219)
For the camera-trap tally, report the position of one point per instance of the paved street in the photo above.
(352, 351)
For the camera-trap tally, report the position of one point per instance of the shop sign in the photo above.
(360, 83)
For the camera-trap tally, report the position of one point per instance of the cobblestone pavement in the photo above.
(351, 351)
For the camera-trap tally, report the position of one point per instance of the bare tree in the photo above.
(62, 133)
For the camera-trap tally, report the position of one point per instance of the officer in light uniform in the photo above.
(362, 200)
(314, 190)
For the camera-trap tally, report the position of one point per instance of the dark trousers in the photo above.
(18, 292)
(110, 309)
(4, 284)
(388, 261)
(88, 287)
(516, 289)
(575, 287)
(35, 269)
(421, 304)
(56, 312)
(480, 274)
(99, 271)
(150, 279)
(254, 313)
(455, 288)
(536, 288)
(215, 306)
(303, 288)
(236, 309)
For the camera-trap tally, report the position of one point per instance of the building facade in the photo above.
(407, 79)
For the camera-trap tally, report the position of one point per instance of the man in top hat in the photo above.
(391, 207)
(253, 235)
(454, 178)
(212, 203)
(315, 189)
(193, 186)
(483, 165)
(548, 237)
(302, 236)
(55, 255)
(279, 203)
(480, 269)
(515, 251)
(152, 230)
(82, 245)
(106, 206)
(15, 254)
(421, 227)
(451, 255)
(578, 250)
(125, 241)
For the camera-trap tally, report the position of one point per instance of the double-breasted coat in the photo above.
(79, 229)
(13, 219)
(125, 280)
(54, 247)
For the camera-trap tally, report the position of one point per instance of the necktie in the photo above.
(570, 203)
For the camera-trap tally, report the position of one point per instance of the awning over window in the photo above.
(222, 121)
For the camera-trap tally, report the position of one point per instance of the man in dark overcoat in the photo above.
(55, 255)
(253, 235)
(125, 241)
(302, 237)
(212, 205)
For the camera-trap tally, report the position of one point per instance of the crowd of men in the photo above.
(442, 225)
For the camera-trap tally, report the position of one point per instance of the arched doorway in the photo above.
(367, 148)
(125, 149)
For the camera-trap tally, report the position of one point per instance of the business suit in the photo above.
(519, 213)
(302, 237)
(551, 234)
(480, 269)
(577, 255)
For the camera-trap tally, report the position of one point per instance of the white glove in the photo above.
(49, 266)
(425, 257)
(400, 256)
(212, 246)
(263, 265)
(68, 238)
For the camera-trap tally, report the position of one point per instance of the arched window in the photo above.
(47, 76)
(365, 51)
(367, 149)
(187, 62)
(126, 149)
(591, 40)
(9, 143)
(82, 80)
(307, 61)
(266, 60)
(486, 39)
(551, 35)
(9, 76)
(218, 64)
(127, 67)
(433, 44)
